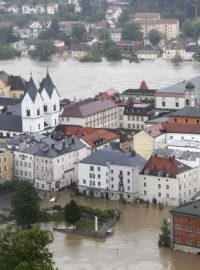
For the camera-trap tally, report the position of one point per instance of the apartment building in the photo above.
(91, 112)
(110, 174)
(185, 227)
(6, 166)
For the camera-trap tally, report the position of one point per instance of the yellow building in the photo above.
(11, 86)
(147, 140)
(149, 21)
(6, 173)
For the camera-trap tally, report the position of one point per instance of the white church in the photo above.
(37, 112)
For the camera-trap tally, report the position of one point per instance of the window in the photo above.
(163, 104)
(92, 168)
(159, 185)
(99, 184)
(198, 243)
(38, 111)
(98, 169)
(112, 186)
(45, 108)
(28, 112)
(38, 126)
(90, 183)
(189, 242)
(54, 107)
(187, 102)
(99, 176)
(145, 184)
(128, 188)
(112, 179)
(186, 120)
(128, 173)
(197, 121)
(159, 194)
(145, 193)
(167, 186)
(84, 181)
(198, 230)
(175, 120)
(167, 196)
(177, 104)
(128, 181)
(111, 171)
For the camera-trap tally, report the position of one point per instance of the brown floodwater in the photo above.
(133, 246)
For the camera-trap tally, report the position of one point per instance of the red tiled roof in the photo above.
(92, 136)
(181, 128)
(143, 86)
(164, 165)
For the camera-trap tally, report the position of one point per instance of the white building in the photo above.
(52, 8)
(112, 15)
(115, 34)
(28, 9)
(168, 181)
(55, 164)
(37, 27)
(110, 174)
(91, 112)
(13, 9)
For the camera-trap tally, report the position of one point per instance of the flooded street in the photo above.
(80, 80)
(133, 246)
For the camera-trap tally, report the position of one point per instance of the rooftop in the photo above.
(177, 153)
(155, 130)
(181, 128)
(164, 167)
(87, 107)
(190, 209)
(92, 136)
(187, 112)
(114, 157)
(11, 122)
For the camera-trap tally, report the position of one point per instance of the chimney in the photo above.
(52, 146)
(63, 144)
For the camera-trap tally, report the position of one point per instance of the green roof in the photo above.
(32, 89)
(187, 112)
(48, 85)
(191, 209)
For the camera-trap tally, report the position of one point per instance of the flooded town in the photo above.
(99, 135)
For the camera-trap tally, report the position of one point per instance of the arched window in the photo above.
(38, 111)
(28, 112)
(45, 108)
(54, 107)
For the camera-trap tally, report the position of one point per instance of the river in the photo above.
(136, 234)
(81, 80)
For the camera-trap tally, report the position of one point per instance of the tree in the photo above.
(164, 237)
(7, 53)
(196, 56)
(66, 38)
(44, 50)
(25, 204)
(55, 28)
(154, 37)
(78, 32)
(131, 31)
(103, 34)
(25, 249)
(177, 59)
(72, 212)
(197, 29)
(112, 52)
(188, 28)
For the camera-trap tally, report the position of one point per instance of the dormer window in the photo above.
(54, 107)
(45, 108)
(38, 111)
(28, 112)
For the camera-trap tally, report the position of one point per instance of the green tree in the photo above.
(72, 212)
(196, 56)
(112, 52)
(6, 35)
(78, 32)
(44, 50)
(103, 34)
(25, 204)
(197, 29)
(188, 28)
(6, 52)
(177, 59)
(164, 237)
(131, 31)
(154, 37)
(66, 38)
(55, 28)
(25, 249)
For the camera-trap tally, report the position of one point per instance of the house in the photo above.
(13, 9)
(149, 21)
(52, 8)
(173, 49)
(37, 27)
(133, 115)
(6, 173)
(20, 46)
(28, 9)
(185, 93)
(94, 138)
(115, 34)
(55, 165)
(76, 4)
(168, 181)
(91, 112)
(79, 50)
(147, 53)
(149, 139)
(113, 13)
(141, 94)
(185, 227)
(110, 174)
(12, 86)
(40, 9)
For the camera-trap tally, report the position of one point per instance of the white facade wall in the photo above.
(172, 191)
(169, 102)
(182, 136)
(147, 56)
(104, 179)
(170, 54)
(51, 116)
(23, 166)
(55, 173)
(116, 36)
(34, 122)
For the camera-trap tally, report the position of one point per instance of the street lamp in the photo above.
(195, 10)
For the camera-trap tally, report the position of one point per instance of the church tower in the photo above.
(32, 109)
(51, 101)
